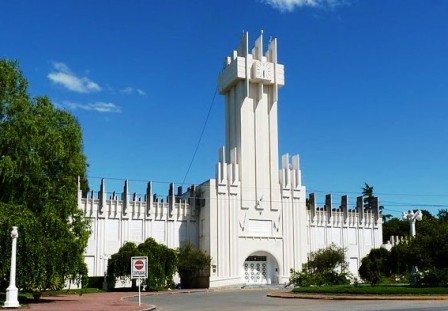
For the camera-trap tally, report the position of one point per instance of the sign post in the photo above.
(139, 270)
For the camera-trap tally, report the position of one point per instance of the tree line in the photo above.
(428, 251)
(421, 260)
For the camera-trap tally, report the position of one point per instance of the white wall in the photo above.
(117, 221)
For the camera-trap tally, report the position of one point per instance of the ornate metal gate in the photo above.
(255, 270)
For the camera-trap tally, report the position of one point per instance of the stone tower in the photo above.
(253, 218)
(250, 83)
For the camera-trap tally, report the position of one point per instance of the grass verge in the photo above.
(80, 291)
(393, 290)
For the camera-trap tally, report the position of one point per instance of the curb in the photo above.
(192, 291)
(149, 308)
(353, 297)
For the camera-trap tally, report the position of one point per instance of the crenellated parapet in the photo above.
(342, 215)
(132, 206)
(116, 218)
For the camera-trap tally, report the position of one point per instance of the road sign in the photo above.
(139, 267)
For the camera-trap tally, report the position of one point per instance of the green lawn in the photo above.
(373, 290)
(73, 292)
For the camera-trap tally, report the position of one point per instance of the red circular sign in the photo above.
(139, 264)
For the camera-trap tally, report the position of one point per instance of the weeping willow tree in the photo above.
(41, 157)
(162, 262)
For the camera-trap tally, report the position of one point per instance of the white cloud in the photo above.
(141, 92)
(131, 90)
(65, 77)
(127, 90)
(290, 5)
(97, 106)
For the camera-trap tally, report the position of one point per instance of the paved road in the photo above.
(256, 300)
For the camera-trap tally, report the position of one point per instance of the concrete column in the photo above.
(12, 291)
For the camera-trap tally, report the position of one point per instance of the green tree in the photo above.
(367, 194)
(401, 259)
(119, 264)
(325, 266)
(375, 266)
(428, 250)
(327, 259)
(395, 227)
(192, 264)
(370, 202)
(442, 214)
(161, 264)
(41, 158)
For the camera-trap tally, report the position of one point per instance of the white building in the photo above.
(253, 218)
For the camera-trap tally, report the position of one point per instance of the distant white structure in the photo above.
(412, 217)
(253, 218)
(394, 240)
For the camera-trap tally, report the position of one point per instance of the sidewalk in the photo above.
(90, 302)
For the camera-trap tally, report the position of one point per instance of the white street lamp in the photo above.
(12, 291)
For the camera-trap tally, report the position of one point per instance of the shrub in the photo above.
(161, 264)
(325, 267)
(192, 265)
(375, 266)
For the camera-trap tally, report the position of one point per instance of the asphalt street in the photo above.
(256, 299)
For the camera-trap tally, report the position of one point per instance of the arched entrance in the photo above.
(260, 268)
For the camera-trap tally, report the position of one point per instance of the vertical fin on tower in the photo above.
(243, 48)
(297, 173)
(285, 177)
(271, 53)
(221, 167)
(243, 51)
(233, 167)
(257, 51)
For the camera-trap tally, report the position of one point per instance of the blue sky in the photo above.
(365, 100)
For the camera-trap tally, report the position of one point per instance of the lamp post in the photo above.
(12, 291)
(412, 217)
